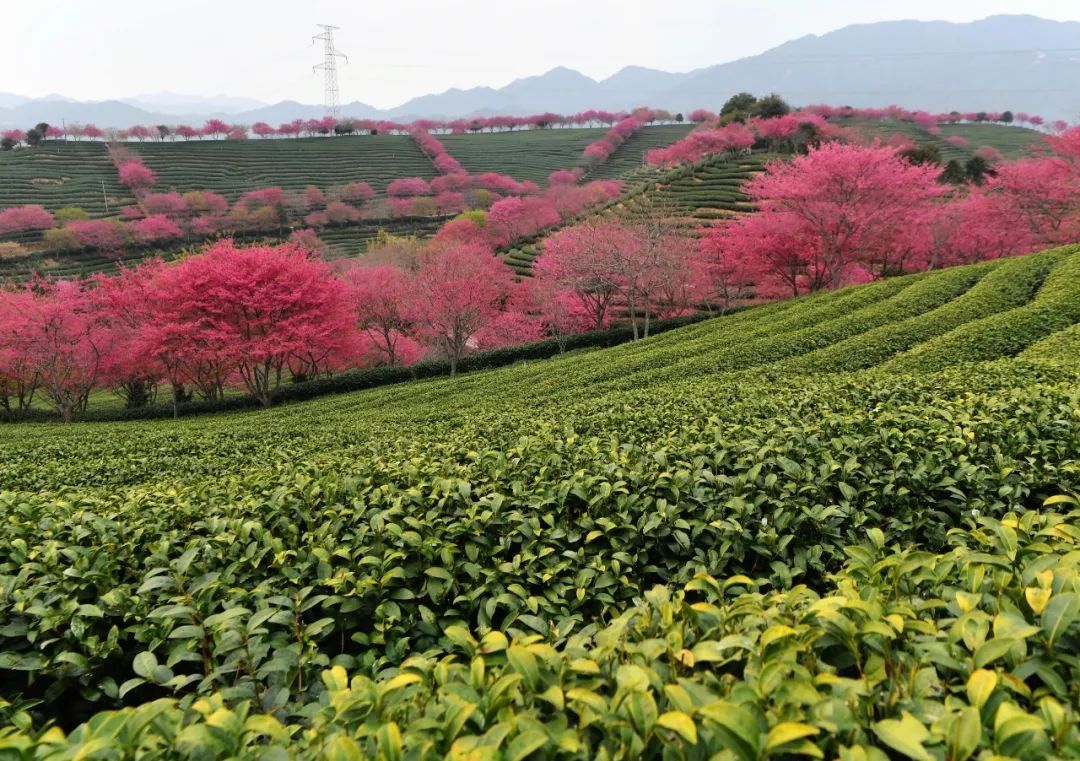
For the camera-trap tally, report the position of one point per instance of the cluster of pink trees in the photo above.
(170, 216)
(434, 149)
(515, 217)
(846, 213)
(602, 269)
(520, 209)
(789, 131)
(252, 318)
(216, 129)
(923, 118)
(20, 219)
(811, 125)
(248, 318)
(131, 170)
(598, 151)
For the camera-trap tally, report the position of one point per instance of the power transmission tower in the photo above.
(329, 67)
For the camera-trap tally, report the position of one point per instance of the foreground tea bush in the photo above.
(915, 654)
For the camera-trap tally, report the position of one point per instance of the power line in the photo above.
(329, 67)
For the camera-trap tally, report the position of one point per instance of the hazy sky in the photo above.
(98, 49)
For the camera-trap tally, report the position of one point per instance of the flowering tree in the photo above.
(136, 175)
(515, 217)
(843, 204)
(974, 226)
(156, 228)
(1042, 196)
(380, 295)
(171, 204)
(24, 218)
(63, 347)
(407, 187)
(205, 202)
(20, 374)
(124, 310)
(357, 193)
(259, 307)
(587, 260)
(724, 275)
(104, 234)
(459, 290)
(563, 177)
(215, 128)
(560, 312)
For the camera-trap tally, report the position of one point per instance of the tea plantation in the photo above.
(234, 167)
(837, 526)
(62, 174)
(693, 195)
(525, 154)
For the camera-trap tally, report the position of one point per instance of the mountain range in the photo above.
(1017, 62)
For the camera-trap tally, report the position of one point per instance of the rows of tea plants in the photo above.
(234, 167)
(59, 174)
(1011, 141)
(715, 539)
(693, 195)
(631, 154)
(524, 155)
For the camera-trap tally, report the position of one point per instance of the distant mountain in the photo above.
(10, 100)
(106, 113)
(1022, 63)
(176, 103)
(1016, 62)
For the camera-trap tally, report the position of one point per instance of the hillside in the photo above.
(505, 529)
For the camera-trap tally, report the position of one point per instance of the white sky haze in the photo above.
(399, 49)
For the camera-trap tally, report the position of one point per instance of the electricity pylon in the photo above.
(329, 67)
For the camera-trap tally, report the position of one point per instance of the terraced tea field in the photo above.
(233, 167)
(1012, 141)
(524, 154)
(62, 174)
(761, 535)
(352, 240)
(630, 155)
(694, 195)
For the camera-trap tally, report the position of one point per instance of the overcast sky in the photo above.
(398, 49)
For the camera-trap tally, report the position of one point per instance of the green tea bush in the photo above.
(1057, 306)
(921, 655)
